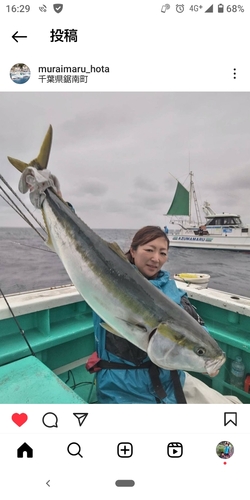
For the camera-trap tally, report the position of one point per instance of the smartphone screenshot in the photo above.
(124, 249)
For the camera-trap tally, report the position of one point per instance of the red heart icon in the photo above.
(19, 418)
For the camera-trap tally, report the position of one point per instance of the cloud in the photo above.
(145, 184)
(90, 186)
(113, 152)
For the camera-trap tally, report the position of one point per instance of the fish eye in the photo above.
(200, 351)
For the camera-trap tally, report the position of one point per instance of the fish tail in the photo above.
(42, 159)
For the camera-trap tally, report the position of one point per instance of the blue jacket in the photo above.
(134, 386)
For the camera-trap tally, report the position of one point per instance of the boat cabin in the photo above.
(230, 220)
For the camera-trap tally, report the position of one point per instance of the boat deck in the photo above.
(58, 325)
(30, 381)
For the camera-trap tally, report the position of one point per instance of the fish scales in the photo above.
(102, 260)
(119, 279)
(128, 303)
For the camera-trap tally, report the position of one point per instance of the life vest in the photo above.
(131, 356)
(129, 352)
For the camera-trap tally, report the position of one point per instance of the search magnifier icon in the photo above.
(74, 449)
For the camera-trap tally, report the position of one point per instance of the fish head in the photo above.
(173, 350)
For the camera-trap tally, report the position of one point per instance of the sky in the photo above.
(116, 153)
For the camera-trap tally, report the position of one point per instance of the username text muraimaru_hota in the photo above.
(73, 69)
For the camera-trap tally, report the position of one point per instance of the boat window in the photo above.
(231, 221)
(227, 220)
(214, 222)
(224, 221)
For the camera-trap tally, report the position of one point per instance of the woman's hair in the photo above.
(144, 236)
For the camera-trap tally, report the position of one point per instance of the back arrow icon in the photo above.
(19, 36)
(48, 483)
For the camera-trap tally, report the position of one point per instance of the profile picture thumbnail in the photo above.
(20, 73)
(224, 449)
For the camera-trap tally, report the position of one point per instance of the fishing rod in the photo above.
(19, 199)
(19, 212)
(32, 246)
(19, 327)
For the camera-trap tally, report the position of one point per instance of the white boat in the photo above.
(16, 76)
(220, 231)
(193, 278)
(20, 75)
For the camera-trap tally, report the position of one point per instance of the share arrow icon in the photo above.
(80, 417)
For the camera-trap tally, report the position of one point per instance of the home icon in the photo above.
(24, 448)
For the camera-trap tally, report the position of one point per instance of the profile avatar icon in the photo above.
(20, 73)
(224, 450)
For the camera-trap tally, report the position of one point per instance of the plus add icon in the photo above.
(124, 450)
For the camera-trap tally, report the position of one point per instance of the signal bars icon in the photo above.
(210, 9)
(165, 8)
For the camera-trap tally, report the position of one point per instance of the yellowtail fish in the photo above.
(128, 303)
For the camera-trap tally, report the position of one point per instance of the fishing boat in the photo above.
(20, 76)
(220, 230)
(193, 278)
(16, 76)
(47, 336)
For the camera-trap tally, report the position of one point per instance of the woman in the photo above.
(124, 373)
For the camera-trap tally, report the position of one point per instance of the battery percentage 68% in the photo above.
(235, 8)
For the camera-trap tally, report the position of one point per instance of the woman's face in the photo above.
(150, 258)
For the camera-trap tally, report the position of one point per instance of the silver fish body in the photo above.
(128, 303)
(124, 298)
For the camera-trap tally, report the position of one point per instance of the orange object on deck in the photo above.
(247, 383)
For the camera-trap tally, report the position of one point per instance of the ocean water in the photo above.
(26, 263)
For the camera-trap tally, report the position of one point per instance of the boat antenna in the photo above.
(19, 327)
(192, 196)
(190, 191)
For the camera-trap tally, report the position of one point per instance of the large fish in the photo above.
(128, 303)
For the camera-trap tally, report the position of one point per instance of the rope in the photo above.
(19, 212)
(19, 199)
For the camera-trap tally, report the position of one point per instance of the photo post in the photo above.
(124, 242)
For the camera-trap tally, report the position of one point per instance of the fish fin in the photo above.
(166, 331)
(20, 165)
(42, 159)
(110, 329)
(115, 247)
(50, 244)
(134, 323)
(49, 240)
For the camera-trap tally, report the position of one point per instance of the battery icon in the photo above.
(220, 8)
